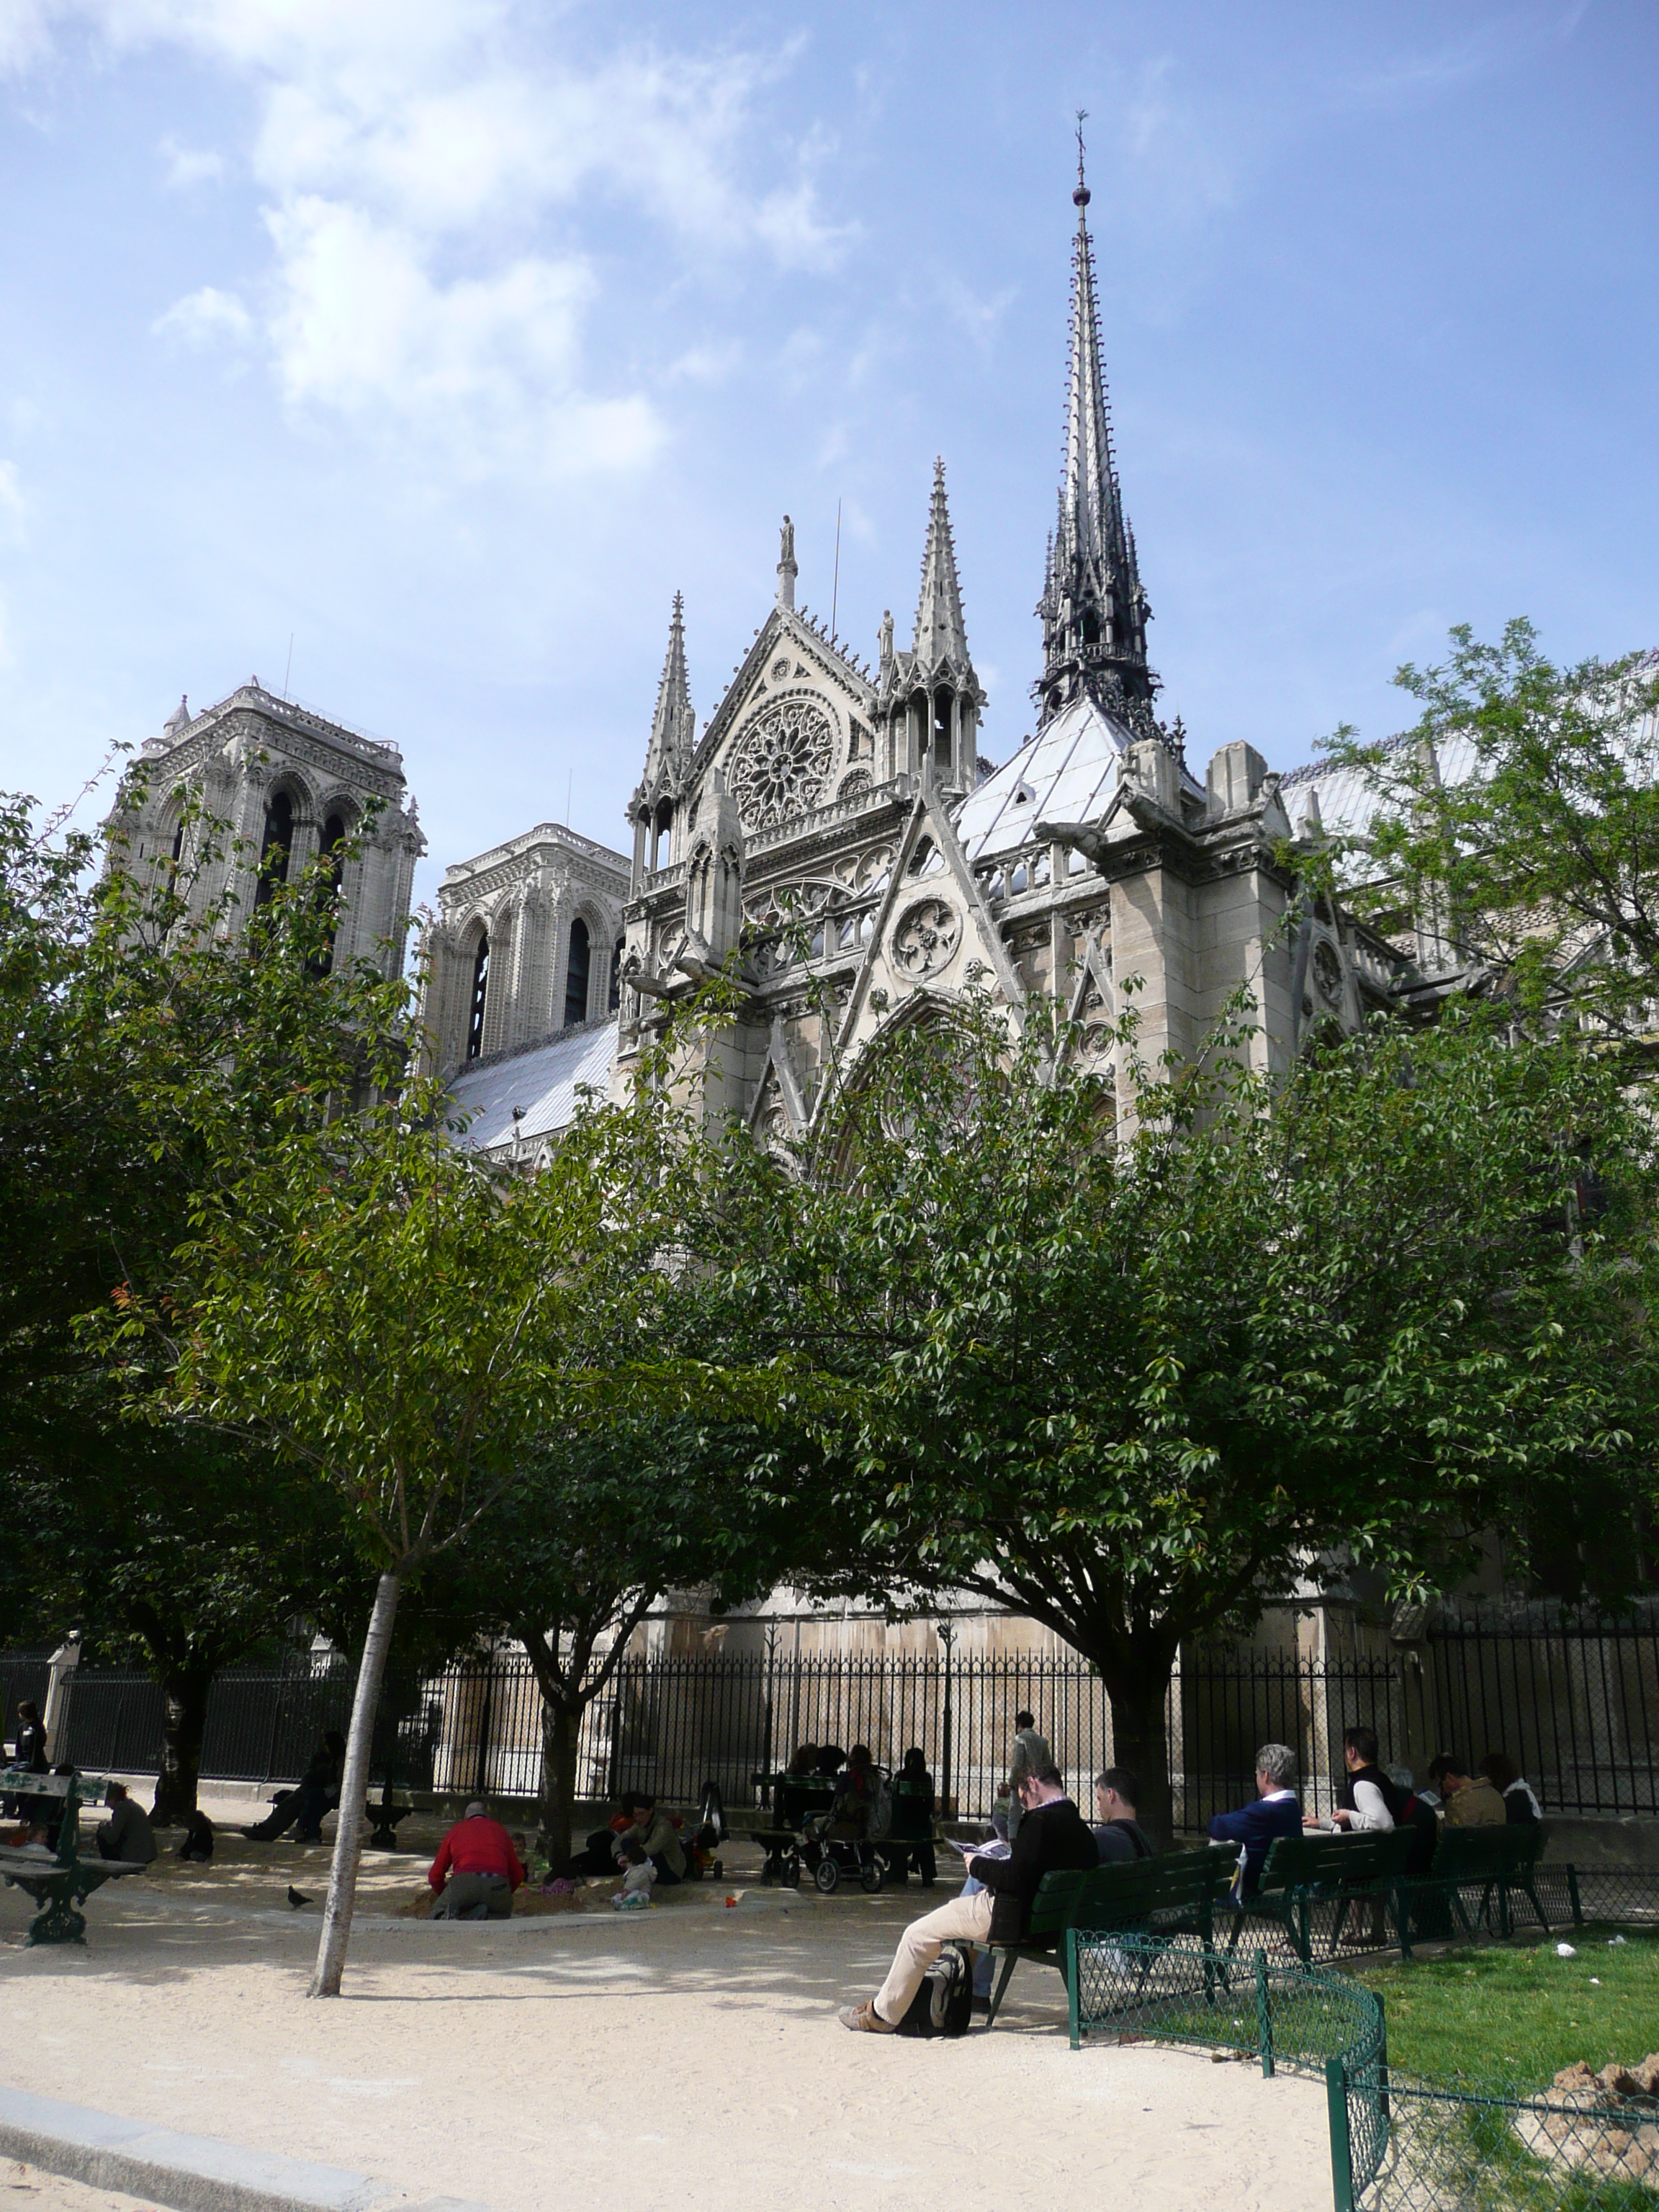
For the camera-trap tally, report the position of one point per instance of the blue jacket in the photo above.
(1256, 1826)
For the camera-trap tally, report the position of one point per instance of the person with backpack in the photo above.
(1052, 1838)
(1118, 1834)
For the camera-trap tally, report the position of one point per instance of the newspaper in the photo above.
(972, 1848)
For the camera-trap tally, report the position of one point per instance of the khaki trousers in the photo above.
(967, 1919)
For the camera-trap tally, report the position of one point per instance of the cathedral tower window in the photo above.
(942, 727)
(475, 1025)
(331, 861)
(662, 836)
(576, 973)
(275, 846)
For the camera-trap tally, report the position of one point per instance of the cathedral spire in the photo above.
(1093, 609)
(669, 753)
(941, 638)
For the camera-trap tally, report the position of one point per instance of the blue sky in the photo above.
(450, 337)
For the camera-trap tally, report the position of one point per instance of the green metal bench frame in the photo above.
(1501, 1859)
(1175, 1894)
(60, 1884)
(1302, 1871)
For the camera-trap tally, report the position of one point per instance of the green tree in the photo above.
(408, 1327)
(1516, 824)
(1132, 1383)
(149, 1047)
(596, 1525)
(185, 1552)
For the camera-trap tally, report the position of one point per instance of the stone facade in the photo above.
(526, 943)
(290, 785)
(836, 835)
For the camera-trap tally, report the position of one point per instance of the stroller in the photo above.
(832, 1857)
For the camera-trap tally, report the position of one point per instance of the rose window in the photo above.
(1327, 972)
(926, 937)
(780, 767)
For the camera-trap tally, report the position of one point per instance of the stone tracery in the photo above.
(779, 767)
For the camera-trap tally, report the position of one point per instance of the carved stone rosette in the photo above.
(928, 934)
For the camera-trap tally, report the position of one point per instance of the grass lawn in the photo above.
(1510, 2016)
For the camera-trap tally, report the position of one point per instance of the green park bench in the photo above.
(59, 1881)
(1175, 1894)
(1497, 1860)
(1311, 1869)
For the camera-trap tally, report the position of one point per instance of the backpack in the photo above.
(944, 2005)
(880, 1822)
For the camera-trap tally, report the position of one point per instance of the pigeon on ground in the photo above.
(296, 1898)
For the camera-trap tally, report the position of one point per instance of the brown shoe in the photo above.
(866, 2017)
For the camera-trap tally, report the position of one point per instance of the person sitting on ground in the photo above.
(1275, 1812)
(598, 1855)
(1052, 1838)
(481, 1870)
(127, 1833)
(1470, 1799)
(911, 1836)
(652, 1834)
(1367, 1801)
(1520, 1807)
(303, 1808)
(199, 1839)
(1118, 1835)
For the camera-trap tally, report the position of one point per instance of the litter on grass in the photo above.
(1565, 1951)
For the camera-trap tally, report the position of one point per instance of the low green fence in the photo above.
(1395, 2146)
(1440, 2148)
(1275, 2010)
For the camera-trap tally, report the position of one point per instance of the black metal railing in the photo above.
(1573, 1701)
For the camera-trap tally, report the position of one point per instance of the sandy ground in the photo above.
(27, 2188)
(570, 2056)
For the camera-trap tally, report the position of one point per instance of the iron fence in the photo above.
(1574, 1702)
(1421, 2147)
(24, 1679)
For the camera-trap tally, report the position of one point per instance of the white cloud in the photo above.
(204, 319)
(23, 32)
(487, 364)
(187, 166)
(411, 149)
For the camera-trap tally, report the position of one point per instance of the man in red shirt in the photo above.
(482, 1868)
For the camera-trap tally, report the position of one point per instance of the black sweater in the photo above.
(1051, 1840)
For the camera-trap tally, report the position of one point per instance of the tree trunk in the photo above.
(561, 1736)
(185, 1696)
(342, 1871)
(1140, 1741)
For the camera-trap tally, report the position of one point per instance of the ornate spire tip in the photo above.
(1081, 196)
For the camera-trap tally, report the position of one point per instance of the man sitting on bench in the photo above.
(1275, 1812)
(1052, 1838)
(1118, 1833)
